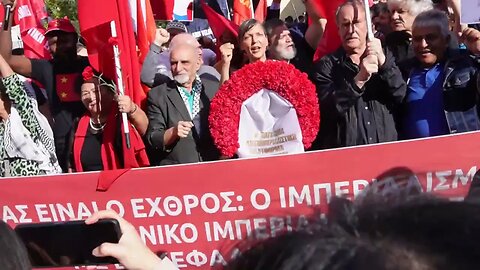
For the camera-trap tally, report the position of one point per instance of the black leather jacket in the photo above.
(461, 87)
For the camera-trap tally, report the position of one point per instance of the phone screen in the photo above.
(68, 243)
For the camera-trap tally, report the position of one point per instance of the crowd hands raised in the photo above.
(417, 77)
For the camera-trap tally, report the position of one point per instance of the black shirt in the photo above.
(91, 153)
(66, 108)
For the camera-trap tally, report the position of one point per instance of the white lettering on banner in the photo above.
(116, 206)
(41, 213)
(339, 192)
(8, 214)
(196, 258)
(214, 199)
(136, 208)
(36, 35)
(172, 205)
(217, 258)
(190, 201)
(167, 234)
(83, 212)
(226, 197)
(277, 225)
(24, 11)
(299, 198)
(441, 176)
(259, 227)
(463, 178)
(177, 258)
(254, 199)
(219, 231)
(210, 203)
(238, 228)
(356, 186)
(183, 233)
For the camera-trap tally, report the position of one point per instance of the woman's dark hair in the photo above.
(417, 233)
(378, 9)
(13, 255)
(246, 26)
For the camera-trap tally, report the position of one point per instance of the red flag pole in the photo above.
(121, 90)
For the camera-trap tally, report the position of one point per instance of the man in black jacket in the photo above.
(358, 86)
(443, 82)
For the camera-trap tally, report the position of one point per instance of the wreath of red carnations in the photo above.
(278, 76)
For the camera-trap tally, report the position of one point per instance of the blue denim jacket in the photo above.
(461, 87)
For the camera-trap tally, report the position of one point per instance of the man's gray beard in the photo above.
(181, 78)
(288, 55)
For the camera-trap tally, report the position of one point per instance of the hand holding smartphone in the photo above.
(59, 244)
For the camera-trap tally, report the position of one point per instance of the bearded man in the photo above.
(178, 112)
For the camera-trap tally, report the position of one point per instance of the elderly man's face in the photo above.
(429, 45)
(282, 46)
(185, 62)
(401, 17)
(352, 27)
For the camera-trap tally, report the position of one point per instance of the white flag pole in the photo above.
(120, 87)
(368, 17)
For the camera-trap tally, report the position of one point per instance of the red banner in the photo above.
(33, 33)
(199, 212)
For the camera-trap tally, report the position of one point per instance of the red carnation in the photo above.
(87, 73)
(277, 76)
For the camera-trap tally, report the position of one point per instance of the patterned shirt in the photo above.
(192, 98)
(26, 139)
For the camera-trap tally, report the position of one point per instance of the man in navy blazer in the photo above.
(178, 130)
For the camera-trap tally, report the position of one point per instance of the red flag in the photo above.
(218, 23)
(242, 10)
(162, 9)
(330, 40)
(31, 30)
(95, 29)
(40, 10)
(145, 24)
(261, 11)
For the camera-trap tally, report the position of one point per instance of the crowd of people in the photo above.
(417, 77)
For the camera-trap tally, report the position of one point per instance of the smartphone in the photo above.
(60, 244)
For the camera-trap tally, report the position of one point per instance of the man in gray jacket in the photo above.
(156, 67)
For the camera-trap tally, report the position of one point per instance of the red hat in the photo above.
(63, 25)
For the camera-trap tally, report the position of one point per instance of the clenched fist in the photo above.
(368, 67)
(471, 38)
(183, 128)
(227, 52)
(161, 37)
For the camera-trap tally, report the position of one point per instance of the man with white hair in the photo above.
(156, 67)
(403, 13)
(283, 48)
(178, 110)
(358, 86)
(442, 82)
